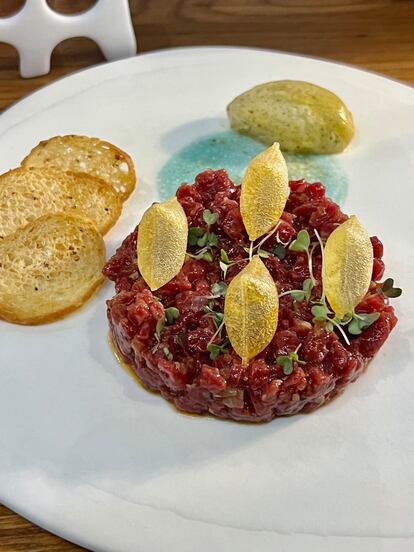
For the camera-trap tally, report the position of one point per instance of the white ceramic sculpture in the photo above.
(36, 29)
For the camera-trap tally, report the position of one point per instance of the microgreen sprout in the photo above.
(251, 251)
(307, 289)
(224, 267)
(216, 350)
(302, 244)
(172, 313)
(224, 257)
(360, 321)
(258, 247)
(158, 329)
(204, 254)
(218, 331)
(206, 240)
(267, 236)
(321, 313)
(194, 234)
(355, 322)
(203, 238)
(209, 217)
(218, 317)
(167, 353)
(202, 242)
(300, 295)
(286, 361)
(219, 289)
(261, 252)
(388, 290)
(225, 262)
(279, 251)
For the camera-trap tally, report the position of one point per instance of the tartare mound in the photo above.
(176, 361)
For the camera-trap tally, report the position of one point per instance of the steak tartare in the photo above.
(166, 336)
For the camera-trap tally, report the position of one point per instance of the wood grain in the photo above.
(374, 34)
(18, 535)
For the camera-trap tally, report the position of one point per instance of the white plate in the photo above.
(91, 456)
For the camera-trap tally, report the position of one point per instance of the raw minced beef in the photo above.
(223, 387)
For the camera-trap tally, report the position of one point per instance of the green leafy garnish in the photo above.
(209, 240)
(202, 242)
(216, 350)
(219, 289)
(259, 251)
(158, 328)
(263, 254)
(203, 238)
(207, 256)
(224, 257)
(218, 317)
(209, 217)
(167, 353)
(224, 267)
(301, 294)
(279, 251)
(212, 240)
(224, 262)
(389, 290)
(172, 313)
(301, 243)
(307, 289)
(298, 296)
(361, 321)
(356, 322)
(286, 364)
(286, 361)
(204, 255)
(320, 312)
(194, 234)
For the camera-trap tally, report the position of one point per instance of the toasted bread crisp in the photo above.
(86, 155)
(26, 194)
(49, 268)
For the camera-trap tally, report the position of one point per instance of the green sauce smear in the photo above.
(233, 152)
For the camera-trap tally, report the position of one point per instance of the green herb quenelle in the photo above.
(302, 117)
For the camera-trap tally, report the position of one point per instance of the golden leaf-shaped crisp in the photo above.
(251, 309)
(347, 266)
(264, 192)
(162, 242)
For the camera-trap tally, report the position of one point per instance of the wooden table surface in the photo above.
(374, 34)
